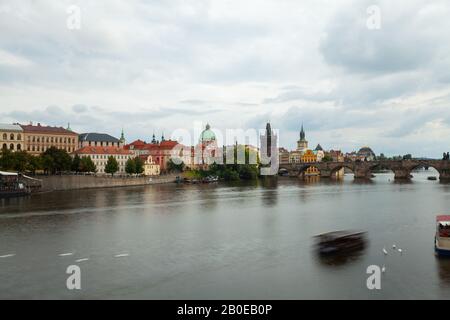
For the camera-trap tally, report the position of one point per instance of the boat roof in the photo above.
(4, 173)
(443, 218)
(340, 234)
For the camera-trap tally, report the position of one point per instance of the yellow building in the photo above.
(11, 137)
(151, 168)
(307, 157)
(40, 138)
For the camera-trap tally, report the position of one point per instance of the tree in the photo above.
(111, 165)
(47, 163)
(76, 163)
(172, 167)
(407, 157)
(57, 160)
(34, 164)
(327, 158)
(130, 166)
(7, 160)
(139, 165)
(248, 172)
(87, 165)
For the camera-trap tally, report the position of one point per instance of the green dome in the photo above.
(207, 135)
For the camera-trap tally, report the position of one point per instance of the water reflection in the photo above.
(270, 196)
(339, 260)
(443, 265)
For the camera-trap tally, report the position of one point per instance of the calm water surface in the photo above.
(224, 241)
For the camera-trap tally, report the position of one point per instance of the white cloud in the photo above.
(164, 64)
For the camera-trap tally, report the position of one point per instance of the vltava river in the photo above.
(224, 241)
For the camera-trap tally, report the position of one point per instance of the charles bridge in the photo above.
(363, 169)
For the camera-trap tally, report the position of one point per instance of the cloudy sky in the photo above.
(162, 65)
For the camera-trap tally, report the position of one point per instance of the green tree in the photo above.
(76, 163)
(327, 158)
(172, 167)
(130, 166)
(57, 160)
(7, 160)
(111, 166)
(34, 164)
(48, 164)
(407, 156)
(139, 165)
(248, 172)
(87, 165)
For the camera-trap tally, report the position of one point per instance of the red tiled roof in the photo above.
(46, 129)
(102, 150)
(138, 144)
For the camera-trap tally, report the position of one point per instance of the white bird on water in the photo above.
(401, 251)
(385, 251)
(394, 246)
(383, 269)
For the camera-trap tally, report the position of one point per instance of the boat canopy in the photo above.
(4, 173)
(330, 236)
(443, 218)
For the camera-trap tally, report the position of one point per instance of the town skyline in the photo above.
(157, 137)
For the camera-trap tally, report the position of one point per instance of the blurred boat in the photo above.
(338, 242)
(432, 178)
(442, 238)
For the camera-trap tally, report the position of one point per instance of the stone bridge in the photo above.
(363, 169)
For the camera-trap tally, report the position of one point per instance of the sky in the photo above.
(160, 66)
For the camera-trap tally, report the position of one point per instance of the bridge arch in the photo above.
(423, 164)
(344, 165)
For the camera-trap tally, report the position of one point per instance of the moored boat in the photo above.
(442, 238)
(11, 186)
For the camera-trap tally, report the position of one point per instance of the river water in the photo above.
(224, 241)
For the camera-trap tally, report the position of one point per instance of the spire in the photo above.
(122, 137)
(162, 137)
(268, 129)
(153, 137)
(302, 133)
(68, 126)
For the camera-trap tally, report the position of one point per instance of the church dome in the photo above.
(366, 151)
(207, 135)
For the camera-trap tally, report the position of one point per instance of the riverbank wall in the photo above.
(74, 182)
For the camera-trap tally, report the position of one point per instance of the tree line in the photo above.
(55, 161)
(231, 172)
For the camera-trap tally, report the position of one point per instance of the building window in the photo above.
(34, 139)
(19, 147)
(5, 136)
(47, 140)
(11, 146)
(11, 136)
(19, 137)
(4, 146)
(38, 139)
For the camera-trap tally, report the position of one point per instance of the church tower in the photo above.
(302, 144)
(122, 139)
(268, 142)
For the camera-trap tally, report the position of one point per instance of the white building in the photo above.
(100, 155)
